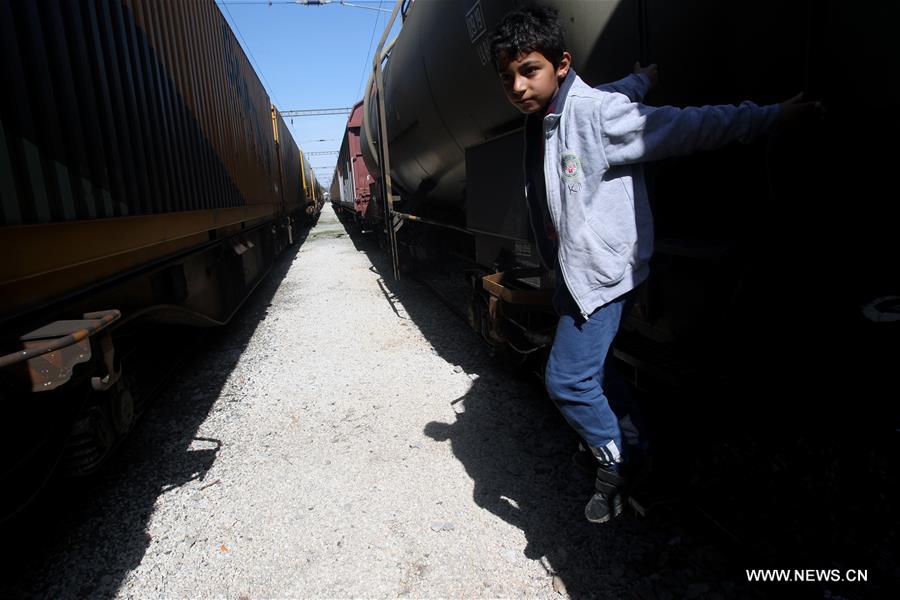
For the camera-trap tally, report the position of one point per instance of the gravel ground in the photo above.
(348, 436)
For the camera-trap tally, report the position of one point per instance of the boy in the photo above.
(589, 210)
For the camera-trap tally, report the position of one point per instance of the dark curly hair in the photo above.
(534, 28)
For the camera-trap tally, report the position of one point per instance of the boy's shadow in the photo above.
(517, 449)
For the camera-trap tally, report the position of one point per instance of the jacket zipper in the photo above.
(562, 267)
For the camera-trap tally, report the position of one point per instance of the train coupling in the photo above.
(50, 353)
(510, 310)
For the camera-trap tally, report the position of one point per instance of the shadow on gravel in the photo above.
(362, 242)
(82, 537)
(517, 449)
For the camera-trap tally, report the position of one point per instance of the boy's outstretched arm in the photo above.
(636, 85)
(632, 132)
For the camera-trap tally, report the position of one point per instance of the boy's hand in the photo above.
(651, 71)
(794, 110)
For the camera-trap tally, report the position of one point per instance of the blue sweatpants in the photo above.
(587, 391)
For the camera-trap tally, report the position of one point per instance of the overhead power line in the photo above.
(312, 112)
(341, 2)
(356, 4)
(323, 153)
(368, 52)
(252, 58)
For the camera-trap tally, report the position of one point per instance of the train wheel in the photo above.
(89, 443)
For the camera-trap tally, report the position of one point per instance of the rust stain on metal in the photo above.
(501, 285)
(51, 352)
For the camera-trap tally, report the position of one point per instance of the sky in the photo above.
(311, 57)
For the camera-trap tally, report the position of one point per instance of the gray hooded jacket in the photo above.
(594, 142)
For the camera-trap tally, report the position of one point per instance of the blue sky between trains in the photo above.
(311, 57)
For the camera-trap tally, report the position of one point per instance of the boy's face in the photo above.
(530, 80)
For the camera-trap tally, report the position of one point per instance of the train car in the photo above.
(313, 191)
(145, 177)
(290, 171)
(352, 184)
(334, 193)
(749, 252)
(301, 185)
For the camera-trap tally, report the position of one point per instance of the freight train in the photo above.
(352, 186)
(770, 252)
(145, 178)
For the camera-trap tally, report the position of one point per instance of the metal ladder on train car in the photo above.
(392, 222)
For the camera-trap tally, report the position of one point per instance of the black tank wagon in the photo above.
(144, 177)
(745, 235)
(766, 338)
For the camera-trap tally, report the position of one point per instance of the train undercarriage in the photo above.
(75, 388)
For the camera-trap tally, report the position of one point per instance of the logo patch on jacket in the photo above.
(570, 167)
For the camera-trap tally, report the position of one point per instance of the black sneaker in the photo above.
(608, 501)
